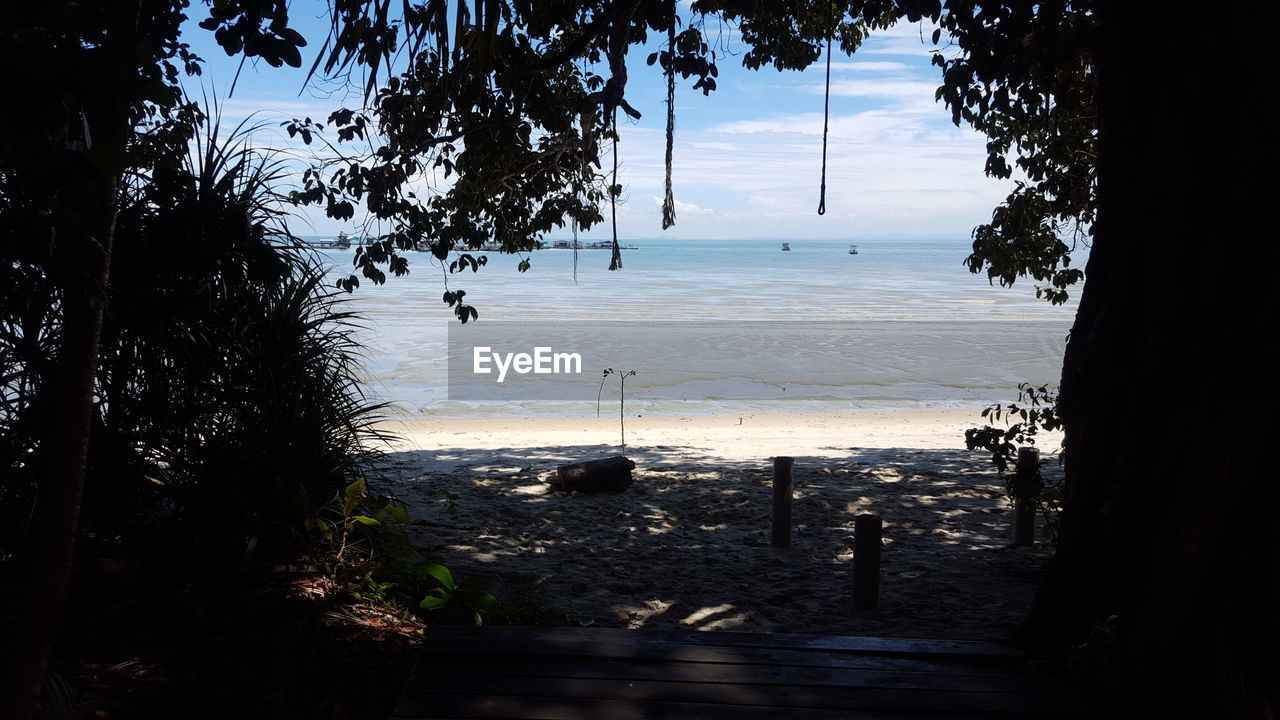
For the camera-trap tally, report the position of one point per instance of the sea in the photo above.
(707, 326)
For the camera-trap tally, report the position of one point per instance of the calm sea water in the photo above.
(720, 326)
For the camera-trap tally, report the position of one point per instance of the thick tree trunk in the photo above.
(1167, 383)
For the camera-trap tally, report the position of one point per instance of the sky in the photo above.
(747, 158)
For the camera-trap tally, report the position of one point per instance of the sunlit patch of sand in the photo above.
(637, 616)
(715, 618)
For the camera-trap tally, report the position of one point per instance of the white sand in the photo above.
(688, 545)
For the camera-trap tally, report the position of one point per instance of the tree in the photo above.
(1164, 385)
(69, 122)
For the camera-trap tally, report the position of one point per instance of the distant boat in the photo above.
(786, 246)
(343, 242)
(853, 249)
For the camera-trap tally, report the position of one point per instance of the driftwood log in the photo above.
(612, 474)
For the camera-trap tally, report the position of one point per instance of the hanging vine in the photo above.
(615, 263)
(826, 117)
(669, 200)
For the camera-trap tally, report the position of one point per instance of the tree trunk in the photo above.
(1166, 383)
(32, 608)
(36, 606)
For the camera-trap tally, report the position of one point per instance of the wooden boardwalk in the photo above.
(607, 674)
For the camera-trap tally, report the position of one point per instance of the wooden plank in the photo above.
(572, 673)
(447, 705)
(586, 691)
(503, 665)
(743, 655)
(738, 639)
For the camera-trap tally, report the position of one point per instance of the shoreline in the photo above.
(711, 438)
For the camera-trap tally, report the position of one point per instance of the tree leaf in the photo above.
(441, 574)
(289, 54)
(431, 602)
(352, 497)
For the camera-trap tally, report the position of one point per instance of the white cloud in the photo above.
(904, 38)
(896, 89)
(275, 109)
(868, 66)
(892, 170)
(873, 125)
(684, 209)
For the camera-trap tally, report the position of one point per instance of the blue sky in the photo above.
(747, 157)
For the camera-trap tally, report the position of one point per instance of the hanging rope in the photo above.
(826, 116)
(575, 251)
(615, 263)
(669, 201)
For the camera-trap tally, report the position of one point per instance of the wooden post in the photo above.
(866, 562)
(782, 477)
(1026, 487)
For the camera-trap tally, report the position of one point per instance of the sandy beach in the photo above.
(687, 546)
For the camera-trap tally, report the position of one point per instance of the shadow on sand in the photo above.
(687, 547)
